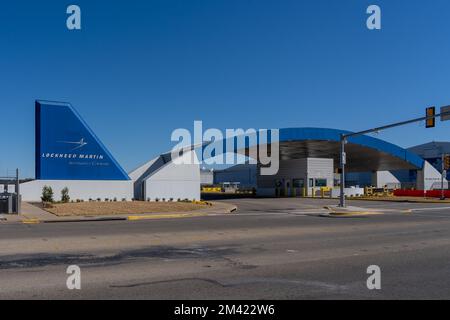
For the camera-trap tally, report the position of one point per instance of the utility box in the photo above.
(6, 203)
(9, 203)
(10, 198)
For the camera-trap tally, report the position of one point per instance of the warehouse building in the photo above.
(69, 154)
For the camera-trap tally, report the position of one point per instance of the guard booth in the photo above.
(10, 198)
(305, 177)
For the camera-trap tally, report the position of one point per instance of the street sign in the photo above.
(344, 158)
(431, 120)
(445, 113)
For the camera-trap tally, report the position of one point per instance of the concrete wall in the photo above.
(385, 178)
(78, 189)
(176, 181)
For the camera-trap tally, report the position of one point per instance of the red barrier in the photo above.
(421, 193)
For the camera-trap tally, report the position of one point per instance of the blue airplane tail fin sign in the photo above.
(67, 149)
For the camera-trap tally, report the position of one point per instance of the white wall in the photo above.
(427, 177)
(309, 168)
(176, 181)
(321, 168)
(384, 178)
(78, 189)
(349, 192)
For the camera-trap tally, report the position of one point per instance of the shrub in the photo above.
(47, 194)
(65, 195)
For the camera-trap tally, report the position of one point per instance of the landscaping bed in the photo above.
(113, 208)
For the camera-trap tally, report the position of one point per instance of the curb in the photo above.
(31, 221)
(86, 220)
(125, 218)
(338, 214)
(165, 216)
(356, 214)
(431, 201)
(37, 221)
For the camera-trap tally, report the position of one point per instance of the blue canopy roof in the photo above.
(334, 135)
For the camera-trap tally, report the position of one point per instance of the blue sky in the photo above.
(140, 69)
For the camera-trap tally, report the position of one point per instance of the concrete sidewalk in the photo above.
(32, 214)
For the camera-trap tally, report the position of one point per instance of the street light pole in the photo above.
(18, 199)
(343, 160)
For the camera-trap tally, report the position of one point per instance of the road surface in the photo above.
(269, 249)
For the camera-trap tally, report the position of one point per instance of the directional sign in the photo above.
(445, 113)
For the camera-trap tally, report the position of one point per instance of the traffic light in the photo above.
(431, 120)
(447, 162)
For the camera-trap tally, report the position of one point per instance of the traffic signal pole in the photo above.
(343, 161)
(442, 177)
(345, 137)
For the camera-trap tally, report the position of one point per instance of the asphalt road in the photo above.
(270, 249)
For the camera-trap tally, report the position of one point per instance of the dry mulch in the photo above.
(112, 208)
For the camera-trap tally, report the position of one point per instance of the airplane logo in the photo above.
(77, 144)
